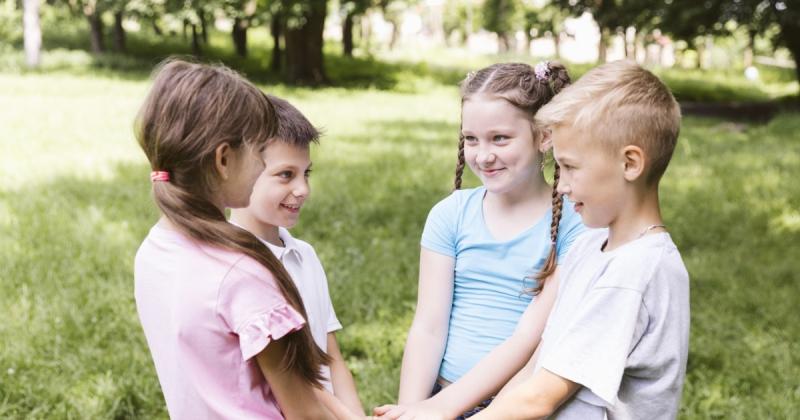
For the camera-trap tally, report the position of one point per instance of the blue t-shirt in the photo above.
(490, 276)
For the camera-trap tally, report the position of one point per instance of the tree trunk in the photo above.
(304, 60)
(557, 42)
(96, 32)
(602, 47)
(196, 50)
(395, 34)
(749, 50)
(275, 29)
(790, 32)
(347, 35)
(203, 25)
(156, 28)
(119, 32)
(185, 29)
(502, 42)
(32, 33)
(239, 35)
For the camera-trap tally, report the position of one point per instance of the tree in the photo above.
(461, 16)
(502, 17)
(762, 16)
(244, 13)
(351, 9)
(32, 33)
(612, 16)
(690, 20)
(546, 19)
(305, 21)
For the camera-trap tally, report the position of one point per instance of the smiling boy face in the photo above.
(592, 177)
(282, 189)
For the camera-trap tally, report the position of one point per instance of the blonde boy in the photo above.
(616, 341)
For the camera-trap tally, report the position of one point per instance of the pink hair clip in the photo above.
(159, 176)
(542, 70)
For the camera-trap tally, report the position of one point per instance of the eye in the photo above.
(286, 174)
(499, 138)
(307, 173)
(470, 139)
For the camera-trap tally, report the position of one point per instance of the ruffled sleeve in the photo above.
(253, 308)
(256, 333)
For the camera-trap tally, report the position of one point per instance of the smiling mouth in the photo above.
(293, 208)
(491, 172)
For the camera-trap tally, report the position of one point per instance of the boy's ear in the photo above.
(222, 160)
(633, 160)
(546, 142)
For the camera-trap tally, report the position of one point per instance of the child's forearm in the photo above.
(339, 410)
(487, 377)
(535, 398)
(344, 387)
(421, 360)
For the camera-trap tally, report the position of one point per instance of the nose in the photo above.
(563, 187)
(485, 155)
(301, 188)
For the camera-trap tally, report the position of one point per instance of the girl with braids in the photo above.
(484, 248)
(223, 319)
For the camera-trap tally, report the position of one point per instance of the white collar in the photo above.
(290, 244)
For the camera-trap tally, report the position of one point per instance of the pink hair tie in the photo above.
(542, 70)
(159, 176)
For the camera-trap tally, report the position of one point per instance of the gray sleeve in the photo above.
(592, 349)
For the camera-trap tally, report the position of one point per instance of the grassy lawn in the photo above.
(75, 204)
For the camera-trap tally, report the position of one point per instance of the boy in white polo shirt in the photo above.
(616, 342)
(278, 195)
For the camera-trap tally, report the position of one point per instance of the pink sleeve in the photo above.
(255, 310)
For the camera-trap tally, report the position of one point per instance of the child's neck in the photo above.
(264, 231)
(641, 217)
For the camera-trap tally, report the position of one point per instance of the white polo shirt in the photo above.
(302, 263)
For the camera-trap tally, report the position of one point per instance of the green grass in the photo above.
(75, 204)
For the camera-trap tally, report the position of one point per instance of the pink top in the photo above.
(206, 312)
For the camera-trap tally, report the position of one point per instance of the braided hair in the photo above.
(527, 88)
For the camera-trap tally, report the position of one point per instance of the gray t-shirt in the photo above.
(620, 328)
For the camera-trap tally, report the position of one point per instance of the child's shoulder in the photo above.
(305, 249)
(460, 198)
(651, 258)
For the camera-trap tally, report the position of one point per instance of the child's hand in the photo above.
(420, 411)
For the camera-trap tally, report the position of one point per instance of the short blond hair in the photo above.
(620, 103)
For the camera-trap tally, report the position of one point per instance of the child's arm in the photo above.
(296, 398)
(492, 371)
(428, 333)
(536, 398)
(344, 387)
(524, 373)
(336, 406)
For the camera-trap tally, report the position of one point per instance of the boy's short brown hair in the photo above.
(293, 127)
(620, 103)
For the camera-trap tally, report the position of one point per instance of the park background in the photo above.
(380, 77)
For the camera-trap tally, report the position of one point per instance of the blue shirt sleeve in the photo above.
(441, 227)
(569, 228)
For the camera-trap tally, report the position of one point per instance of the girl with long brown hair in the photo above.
(223, 319)
(483, 248)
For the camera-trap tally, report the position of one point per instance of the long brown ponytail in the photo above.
(191, 110)
(519, 84)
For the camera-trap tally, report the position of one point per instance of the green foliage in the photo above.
(501, 16)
